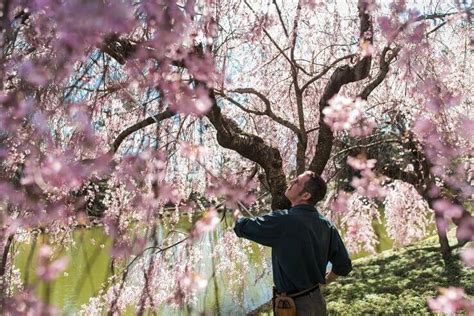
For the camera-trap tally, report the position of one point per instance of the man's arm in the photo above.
(265, 230)
(338, 256)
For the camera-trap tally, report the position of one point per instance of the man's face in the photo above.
(295, 191)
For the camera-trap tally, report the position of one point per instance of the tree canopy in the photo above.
(124, 109)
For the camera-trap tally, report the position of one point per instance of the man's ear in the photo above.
(306, 196)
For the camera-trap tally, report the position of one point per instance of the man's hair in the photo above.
(316, 187)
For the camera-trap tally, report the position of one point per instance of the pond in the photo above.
(90, 266)
(88, 250)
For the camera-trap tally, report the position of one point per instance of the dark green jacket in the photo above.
(303, 242)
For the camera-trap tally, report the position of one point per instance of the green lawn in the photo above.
(395, 282)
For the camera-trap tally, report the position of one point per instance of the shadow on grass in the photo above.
(398, 283)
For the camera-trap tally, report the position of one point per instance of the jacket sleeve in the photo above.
(265, 230)
(338, 256)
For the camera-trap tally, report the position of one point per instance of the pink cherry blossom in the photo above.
(447, 209)
(407, 213)
(233, 190)
(358, 220)
(339, 204)
(451, 301)
(367, 184)
(343, 114)
(467, 255)
(389, 27)
(361, 163)
(47, 268)
(465, 230)
(208, 223)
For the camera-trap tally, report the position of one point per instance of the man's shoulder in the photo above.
(325, 220)
(279, 213)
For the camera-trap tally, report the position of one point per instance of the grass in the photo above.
(395, 282)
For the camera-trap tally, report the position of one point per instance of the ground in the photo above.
(395, 282)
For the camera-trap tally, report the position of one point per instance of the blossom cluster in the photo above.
(407, 213)
(368, 184)
(234, 190)
(451, 300)
(344, 114)
(358, 223)
(47, 269)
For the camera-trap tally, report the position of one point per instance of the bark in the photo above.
(341, 76)
(118, 48)
(135, 127)
(383, 71)
(442, 233)
(3, 266)
(229, 135)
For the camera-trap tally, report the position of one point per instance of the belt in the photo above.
(302, 293)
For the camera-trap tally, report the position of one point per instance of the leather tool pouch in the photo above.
(284, 305)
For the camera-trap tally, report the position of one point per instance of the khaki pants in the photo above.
(312, 304)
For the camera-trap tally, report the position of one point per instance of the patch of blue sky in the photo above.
(77, 91)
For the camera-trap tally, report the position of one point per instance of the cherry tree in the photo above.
(121, 109)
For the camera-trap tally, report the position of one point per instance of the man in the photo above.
(303, 242)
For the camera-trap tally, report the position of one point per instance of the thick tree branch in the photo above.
(229, 135)
(324, 71)
(302, 137)
(382, 73)
(341, 76)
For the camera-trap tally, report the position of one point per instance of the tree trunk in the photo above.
(442, 236)
(3, 266)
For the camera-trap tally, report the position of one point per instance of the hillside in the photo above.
(397, 281)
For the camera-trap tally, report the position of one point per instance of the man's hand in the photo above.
(330, 277)
(237, 214)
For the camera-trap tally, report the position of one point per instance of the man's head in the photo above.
(306, 188)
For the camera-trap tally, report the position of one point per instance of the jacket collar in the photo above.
(303, 207)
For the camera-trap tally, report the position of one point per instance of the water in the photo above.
(90, 266)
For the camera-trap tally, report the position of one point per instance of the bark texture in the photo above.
(341, 76)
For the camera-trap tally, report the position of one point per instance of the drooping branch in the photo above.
(229, 135)
(423, 181)
(135, 127)
(282, 51)
(281, 18)
(341, 76)
(324, 71)
(294, 33)
(382, 73)
(268, 108)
